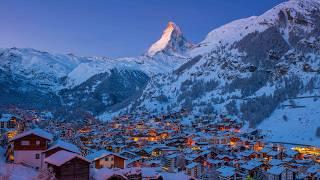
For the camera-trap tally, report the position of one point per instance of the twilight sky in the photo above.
(114, 28)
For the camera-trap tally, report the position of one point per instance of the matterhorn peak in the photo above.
(171, 41)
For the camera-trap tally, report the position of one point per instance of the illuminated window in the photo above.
(37, 143)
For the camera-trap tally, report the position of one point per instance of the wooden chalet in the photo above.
(278, 173)
(226, 173)
(103, 158)
(68, 166)
(27, 147)
(194, 170)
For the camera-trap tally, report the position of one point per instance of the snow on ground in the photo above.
(294, 124)
(15, 171)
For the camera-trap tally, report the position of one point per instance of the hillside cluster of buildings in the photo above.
(149, 147)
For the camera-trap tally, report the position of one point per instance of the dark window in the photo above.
(25, 143)
(37, 156)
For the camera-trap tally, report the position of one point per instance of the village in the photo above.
(144, 146)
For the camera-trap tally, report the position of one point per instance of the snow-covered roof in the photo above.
(192, 165)
(291, 152)
(175, 176)
(66, 146)
(251, 165)
(105, 173)
(314, 169)
(226, 171)
(266, 150)
(37, 132)
(102, 153)
(5, 117)
(214, 161)
(247, 153)
(171, 156)
(133, 160)
(61, 157)
(273, 153)
(275, 162)
(276, 170)
(129, 152)
(97, 155)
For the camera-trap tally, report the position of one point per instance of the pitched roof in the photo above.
(214, 161)
(273, 153)
(65, 145)
(97, 155)
(251, 164)
(276, 170)
(102, 153)
(36, 131)
(192, 165)
(61, 157)
(276, 162)
(291, 152)
(226, 171)
(5, 117)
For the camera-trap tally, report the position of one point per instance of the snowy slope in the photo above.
(294, 124)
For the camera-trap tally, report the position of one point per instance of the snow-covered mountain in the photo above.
(39, 68)
(164, 56)
(95, 84)
(247, 68)
(172, 41)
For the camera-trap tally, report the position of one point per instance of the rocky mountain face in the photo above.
(250, 68)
